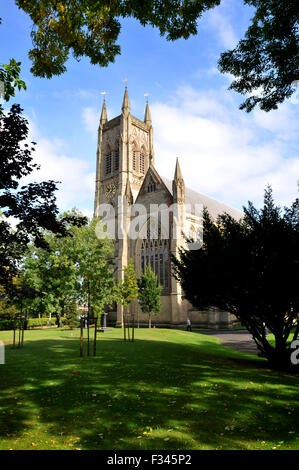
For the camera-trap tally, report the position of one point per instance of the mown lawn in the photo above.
(167, 390)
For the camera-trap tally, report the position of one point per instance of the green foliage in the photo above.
(149, 293)
(91, 28)
(6, 324)
(266, 62)
(249, 268)
(127, 293)
(93, 258)
(10, 80)
(128, 287)
(76, 268)
(32, 205)
(71, 315)
(35, 322)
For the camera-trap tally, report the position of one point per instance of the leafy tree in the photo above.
(33, 206)
(71, 315)
(128, 291)
(10, 80)
(149, 294)
(76, 268)
(250, 268)
(94, 260)
(264, 63)
(52, 273)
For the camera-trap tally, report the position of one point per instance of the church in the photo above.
(125, 171)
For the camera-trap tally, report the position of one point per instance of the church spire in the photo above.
(103, 118)
(126, 103)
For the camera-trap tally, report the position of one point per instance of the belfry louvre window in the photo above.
(141, 163)
(155, 253)
(134, 160)
(116, 160)
(108, 163)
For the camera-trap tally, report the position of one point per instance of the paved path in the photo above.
(241, 340)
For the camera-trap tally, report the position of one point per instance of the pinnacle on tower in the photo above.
(126, 103)
(178, 185)
(103, 118)
(128, 193)
(177, 174)
(147, 115)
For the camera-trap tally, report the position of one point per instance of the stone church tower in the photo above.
(124, 154)
(125, 171)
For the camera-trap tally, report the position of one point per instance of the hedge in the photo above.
(31, 323)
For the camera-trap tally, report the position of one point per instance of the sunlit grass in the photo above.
(167, 390)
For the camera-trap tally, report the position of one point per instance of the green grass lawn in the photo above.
(168, 390)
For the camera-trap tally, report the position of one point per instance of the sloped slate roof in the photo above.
(214, 207)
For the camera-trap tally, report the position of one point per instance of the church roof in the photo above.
(214, 207)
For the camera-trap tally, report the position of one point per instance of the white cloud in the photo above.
(76, 179)
(91, 118)
(220, 21)
(225, 152)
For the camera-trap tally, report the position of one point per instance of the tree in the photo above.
(94, 260)
(72, 269)
(250, 268)
(51, 271)
(149, 294)
(128, 291)
(10, 79)
(265, 63)
(71, 314)
(33, 206)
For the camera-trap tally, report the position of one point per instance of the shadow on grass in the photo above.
(143, 395)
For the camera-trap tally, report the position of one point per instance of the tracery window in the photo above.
(155, 253)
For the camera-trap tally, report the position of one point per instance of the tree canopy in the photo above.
(149, 294)
(76, 268)
(264, 64)
(32, 206)
(249, 268)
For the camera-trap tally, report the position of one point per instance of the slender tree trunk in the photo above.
(88, 316)
(81, 338)
(128, 326)
(124, 323)
(19, 344)
(149, 320)
(95, 337)
(133, 327)
(14, 333)
(23, 327)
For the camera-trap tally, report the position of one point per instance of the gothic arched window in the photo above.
(151, 186)
(155, 253)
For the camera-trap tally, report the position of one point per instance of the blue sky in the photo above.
(224, 152)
